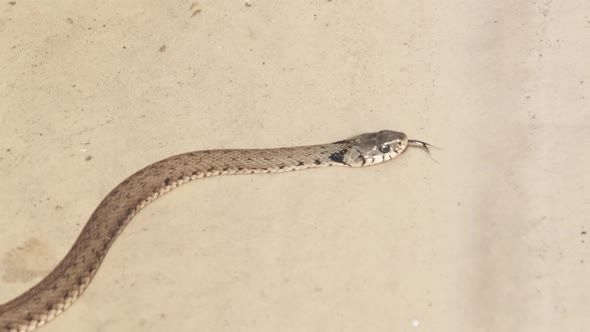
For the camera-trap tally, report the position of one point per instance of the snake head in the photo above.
(375, 148)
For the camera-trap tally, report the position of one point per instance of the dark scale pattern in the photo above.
(338, 157)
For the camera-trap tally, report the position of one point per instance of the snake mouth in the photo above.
(420, 144)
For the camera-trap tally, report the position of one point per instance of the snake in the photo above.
(67, 281)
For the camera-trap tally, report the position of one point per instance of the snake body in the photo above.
(68, 280)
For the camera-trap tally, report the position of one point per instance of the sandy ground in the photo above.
(493, 237)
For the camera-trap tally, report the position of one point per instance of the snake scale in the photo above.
(68, 280)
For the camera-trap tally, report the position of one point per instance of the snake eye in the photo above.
(384, 149)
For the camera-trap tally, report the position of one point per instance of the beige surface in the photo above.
(490, 239)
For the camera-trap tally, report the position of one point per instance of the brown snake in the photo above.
(58, 290)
